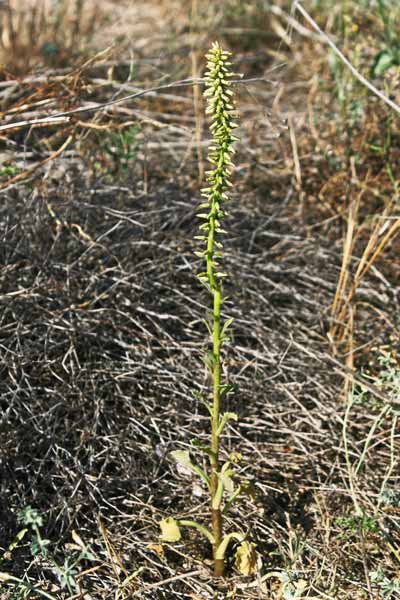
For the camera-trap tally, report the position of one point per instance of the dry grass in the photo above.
(100, 346)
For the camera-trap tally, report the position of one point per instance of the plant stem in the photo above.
(215, 286)
(216, 512)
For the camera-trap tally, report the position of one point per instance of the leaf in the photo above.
(249, 489)
(39, 546)
(200, 446)
(225, 388)
(301, 586)
(231, 500)
(227, 481)
(384, 60)
(228, 416)
(226, 326)
(209, 360)
(246, 558)
(208, 407)
(170, 531)
(207, 324)
(182, 457)
(220, 551)
(30, 516)
(199, 397)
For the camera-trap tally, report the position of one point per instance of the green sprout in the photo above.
(220, 480)
(66, 573)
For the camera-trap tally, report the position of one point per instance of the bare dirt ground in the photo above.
(101, 318)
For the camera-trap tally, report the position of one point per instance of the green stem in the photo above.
(216, 516)
(206, 532)
(216, 409)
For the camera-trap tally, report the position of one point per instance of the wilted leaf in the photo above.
(170, 531)
(246, 558)
(220, 551)
(77, 539)
(157, 548)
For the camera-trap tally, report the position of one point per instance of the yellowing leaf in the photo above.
(246, 558)
(170, 531)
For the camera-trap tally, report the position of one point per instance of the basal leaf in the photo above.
(246, 558)
(170, 531)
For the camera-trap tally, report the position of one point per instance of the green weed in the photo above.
(31, 521)
(122, 146)
(389, 56)
(9, 170)
(389, 588)
(355, 524)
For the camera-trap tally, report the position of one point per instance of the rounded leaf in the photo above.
(170, 531)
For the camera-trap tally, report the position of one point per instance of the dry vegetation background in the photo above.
(101, 312)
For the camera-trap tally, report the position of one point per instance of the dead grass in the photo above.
(101, 313)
